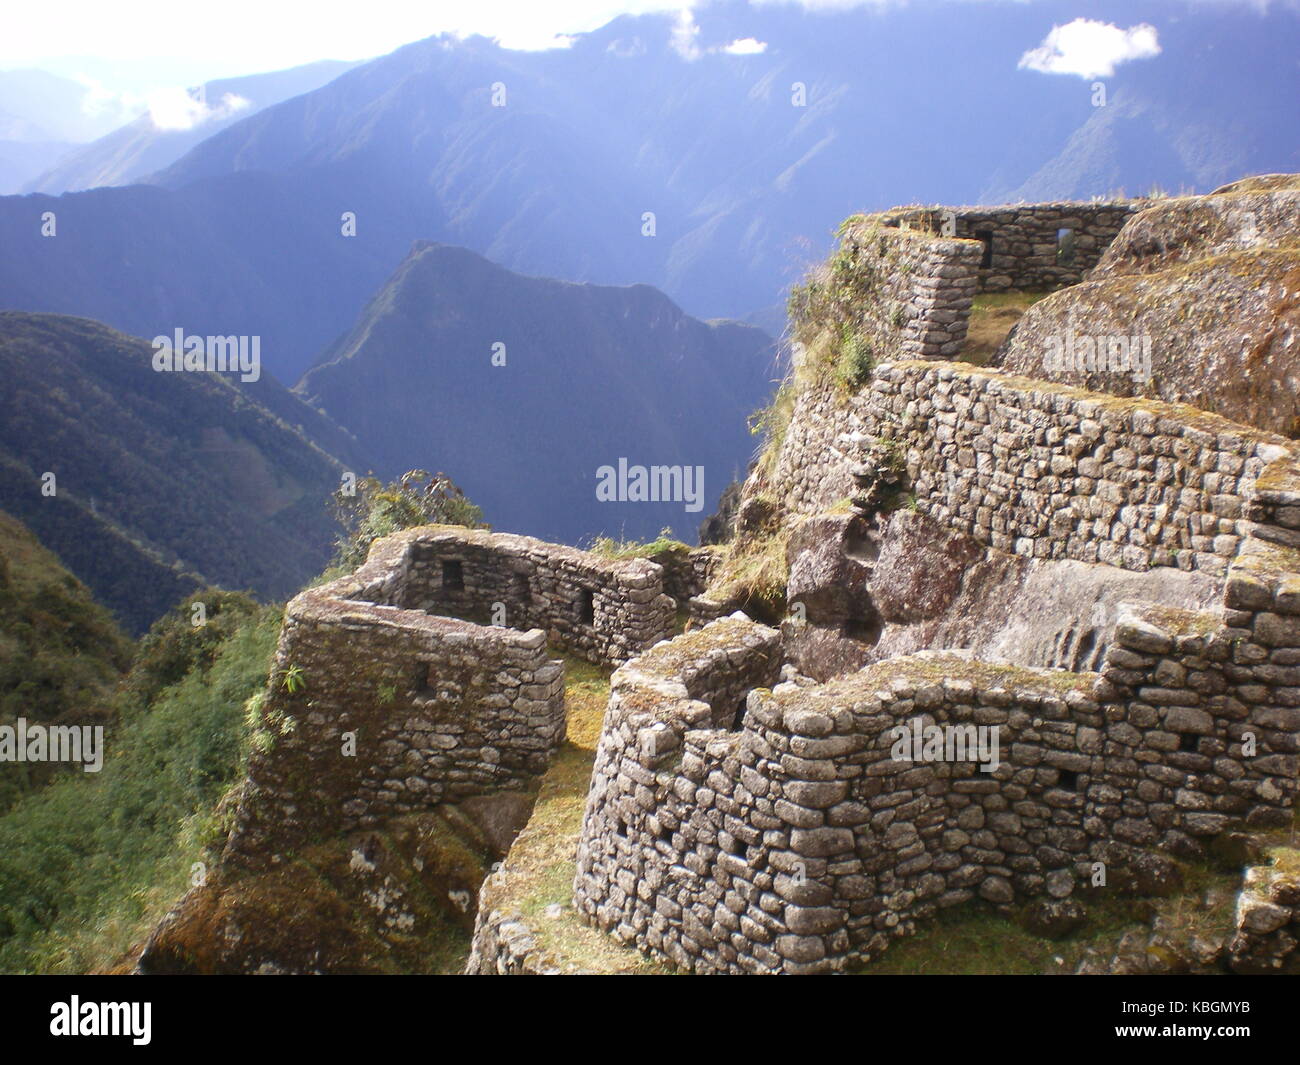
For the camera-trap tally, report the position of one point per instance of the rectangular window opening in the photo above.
(1065, 246)
(453, 575)
(420, 677)
(519, 589)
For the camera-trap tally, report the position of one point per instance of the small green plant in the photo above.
(265, 724)
(387, 693)
(610, 547)
(771, 424)
(373, 510)
(292, 680)
(854, 365)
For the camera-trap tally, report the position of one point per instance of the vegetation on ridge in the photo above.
(60, 651)
(373, 510)
(90, 863)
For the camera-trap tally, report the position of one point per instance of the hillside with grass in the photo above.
(162, 482)
(90, 862)
(61, 653)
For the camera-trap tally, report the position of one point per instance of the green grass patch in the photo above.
(89, 864)
(543, 859)
(613, 548)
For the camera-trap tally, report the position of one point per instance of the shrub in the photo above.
(376, 510)
(91, 862)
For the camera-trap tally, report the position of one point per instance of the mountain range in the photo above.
(595, 208)
(131, 153)
(161, 482)
(744, 185)
(522, 387)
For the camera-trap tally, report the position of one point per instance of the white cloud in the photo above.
(100, 101)
(686, 35)
(178, 109)
(685, 40)
(168, 107)
(1090, 48)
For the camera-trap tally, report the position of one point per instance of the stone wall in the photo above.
(374, 711)
(603, 610)
(1050, 471)
(687, 571)
(504, 944)
(380, 704)
(910, 297)
(814, 468)
(799, 842)
(911, 290)
(1030, 246)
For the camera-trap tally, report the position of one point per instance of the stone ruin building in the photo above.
(1106, 572)
(433, 657)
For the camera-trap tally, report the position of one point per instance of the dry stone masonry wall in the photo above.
(1031, 246)
(379, 705)
(1051, 471)
(603, 610)
(917, 289)
(919, 285)
(800, 841)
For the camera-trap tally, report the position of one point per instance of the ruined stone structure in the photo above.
(1026, 246)
(746, 817)
(792, 834)
(381, 705)
(794, 838)
(603, 610)
(922, 286)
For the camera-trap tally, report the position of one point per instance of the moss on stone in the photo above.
(1175, 621)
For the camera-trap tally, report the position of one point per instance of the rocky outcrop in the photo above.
(920, 568)
(1206, 288)
(399, 899)
(831, 560)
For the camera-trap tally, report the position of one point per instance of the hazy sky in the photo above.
(232, 37)
(128, 49)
